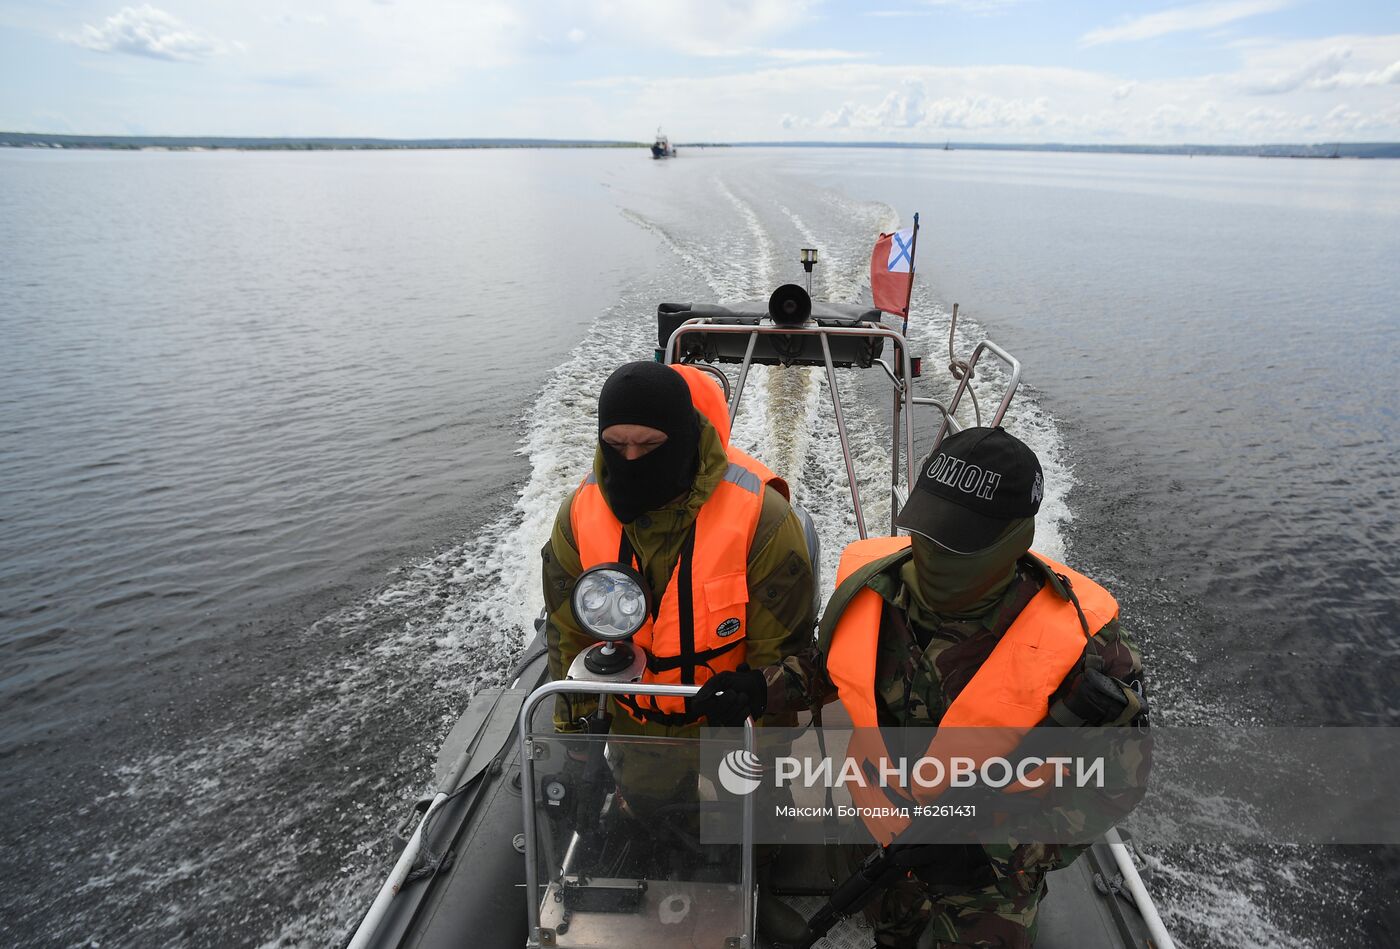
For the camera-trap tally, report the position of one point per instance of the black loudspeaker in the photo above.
(789, 305)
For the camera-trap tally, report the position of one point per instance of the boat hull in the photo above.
(476, 895)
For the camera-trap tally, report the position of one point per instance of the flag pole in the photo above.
(913, 249)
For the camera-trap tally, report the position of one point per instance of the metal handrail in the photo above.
(1161, 938)
(527, 784)
(943, 409)
(904, 389)
(717, 373)
(985, 346)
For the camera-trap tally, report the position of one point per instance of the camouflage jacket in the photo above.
(919, 672)
(781, 613)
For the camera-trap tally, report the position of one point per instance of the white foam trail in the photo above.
(1225, 896)
(828, 262)
(760, 256)
(787, 418)
(701, 264)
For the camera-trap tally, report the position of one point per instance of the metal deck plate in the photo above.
(851, 933)
(672, 913)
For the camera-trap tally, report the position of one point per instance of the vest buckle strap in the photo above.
(702, 658)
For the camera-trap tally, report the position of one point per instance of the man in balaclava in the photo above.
(648, 439)
(712, 534)
(933, 608)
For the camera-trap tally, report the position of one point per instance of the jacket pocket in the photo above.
(730, 590)
(726, 600)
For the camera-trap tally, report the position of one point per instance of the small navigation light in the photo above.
(610, 601)
(809, 260)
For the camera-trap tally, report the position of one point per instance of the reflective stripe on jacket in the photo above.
(699, 622)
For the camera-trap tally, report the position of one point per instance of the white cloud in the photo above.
(612, 82)
(436, 43)
(416, 48)
(907, 108)
(1200, 16)
(355, 48)
(699, 27)
(908, 111)
(497, 67)
(299, 19)
(146, 31)
(868, 102)
(840, 119)
(876, 102)
(810, 55)
(777, 54)
(976, 6)
(1389, 76)
(1320, 68)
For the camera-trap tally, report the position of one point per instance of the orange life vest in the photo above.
(707, 396)
(701, 620)
(708, 399)
(1007, 696)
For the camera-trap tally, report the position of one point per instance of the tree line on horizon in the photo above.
(136, 142)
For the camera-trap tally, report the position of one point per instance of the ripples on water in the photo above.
(233, 379)
(241, 387)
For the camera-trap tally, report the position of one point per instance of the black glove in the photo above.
(1095, 699)
(731, 697)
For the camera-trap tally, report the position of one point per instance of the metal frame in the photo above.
(902, 416)
(948, 414)
(719, 375)
(1161, 938)
(527, 784)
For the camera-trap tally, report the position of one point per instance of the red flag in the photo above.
(892, 271)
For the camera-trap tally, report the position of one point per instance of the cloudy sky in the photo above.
(1218, 71)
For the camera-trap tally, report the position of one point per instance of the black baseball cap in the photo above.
(972, 488)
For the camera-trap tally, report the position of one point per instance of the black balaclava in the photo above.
(650, 394)
(946, 586)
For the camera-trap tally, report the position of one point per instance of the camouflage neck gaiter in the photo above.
(946, 586)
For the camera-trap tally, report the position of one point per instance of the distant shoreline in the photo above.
(219, 143)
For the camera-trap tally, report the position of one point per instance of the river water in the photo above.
(281, 435)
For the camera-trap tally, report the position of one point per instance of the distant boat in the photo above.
(661, 148)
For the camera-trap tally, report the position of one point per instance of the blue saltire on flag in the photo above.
(892, 271)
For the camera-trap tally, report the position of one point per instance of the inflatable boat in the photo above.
(511, 847)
